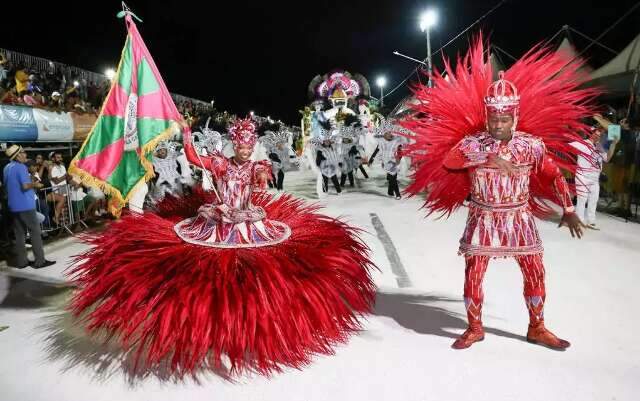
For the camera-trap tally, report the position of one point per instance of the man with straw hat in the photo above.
(22, 205)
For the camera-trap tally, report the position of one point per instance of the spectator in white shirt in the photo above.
(58, 177)
(58, 172)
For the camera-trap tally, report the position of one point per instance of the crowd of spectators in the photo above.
(56, 89)
(66, 89)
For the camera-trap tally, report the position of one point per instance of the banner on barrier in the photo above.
(17, 124)
(27, 124)
(53, 127)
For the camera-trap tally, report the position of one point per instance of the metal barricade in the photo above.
(60, 210)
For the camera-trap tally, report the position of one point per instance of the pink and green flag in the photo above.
(137, 114)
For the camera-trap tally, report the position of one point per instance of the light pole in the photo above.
(427, 20)
(381, 82)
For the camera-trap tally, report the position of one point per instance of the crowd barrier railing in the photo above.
(60, 209)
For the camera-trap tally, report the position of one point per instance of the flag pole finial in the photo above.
(127, 11)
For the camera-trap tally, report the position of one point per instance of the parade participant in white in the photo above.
(279, 150)
(390, 146)
(328, 159)
(317, 117)
(588, 175)
(165, 165)
(351, 154)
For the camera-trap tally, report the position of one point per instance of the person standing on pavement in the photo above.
(58, 177)
(22, 205)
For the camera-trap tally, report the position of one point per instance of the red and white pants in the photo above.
(534, 291)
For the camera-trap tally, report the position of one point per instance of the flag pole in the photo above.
(205, 172)
(127, 11)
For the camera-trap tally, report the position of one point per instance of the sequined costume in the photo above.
(500, 221)
(456, 158)
(351, 153)
(390, 154)
(328, 159)
(233, 279)
(235, 222)
(279, 152)
(168, 179)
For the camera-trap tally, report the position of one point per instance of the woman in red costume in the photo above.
(264, 282)
(500, 145)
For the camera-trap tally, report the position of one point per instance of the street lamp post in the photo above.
(381, 82)
(427, 20)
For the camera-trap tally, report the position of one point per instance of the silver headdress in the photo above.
(208, 140)
(272, 139)
(389, 125)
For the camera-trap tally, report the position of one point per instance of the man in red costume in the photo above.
(500, 222)
(473, 139)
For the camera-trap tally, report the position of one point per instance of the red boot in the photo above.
(537, 333)
(475, 332)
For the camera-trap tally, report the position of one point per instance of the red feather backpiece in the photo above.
(263, 308)
(551, 106)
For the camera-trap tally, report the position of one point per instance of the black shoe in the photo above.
(23, 266)
(46, 263)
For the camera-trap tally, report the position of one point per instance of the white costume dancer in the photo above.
(165, 164)
(389, 147)
(588, 176)
(328, 158)
(352, 153)
(317, 118)
(278, 149)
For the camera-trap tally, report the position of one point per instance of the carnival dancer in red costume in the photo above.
(500, 145)
(236, 273)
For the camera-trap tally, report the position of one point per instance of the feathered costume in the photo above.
(169, 180)
(390, 147)
(279, 151)
(453, 153)
(351, 153)
(266, 282)
(328, 158)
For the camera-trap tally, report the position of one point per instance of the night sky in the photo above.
(261, 55)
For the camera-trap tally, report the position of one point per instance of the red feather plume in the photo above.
(263, 308)
(551, 106)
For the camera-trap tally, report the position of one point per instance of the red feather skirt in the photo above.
(262, 308)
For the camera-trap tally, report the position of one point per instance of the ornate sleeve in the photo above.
(466, 153)
(260, 167)
(548, 171)
(216, 162)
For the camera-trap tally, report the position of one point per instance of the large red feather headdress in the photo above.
(550, 107)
